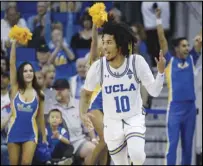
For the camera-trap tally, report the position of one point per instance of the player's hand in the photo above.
(95, 141)
(161, 62)
(87, 122)
(158, 13)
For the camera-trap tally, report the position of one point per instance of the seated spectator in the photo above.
(4, 5)
(66, 6)
(43, 54)
(12, 17)
(77, 81)
(42, 28)
(70, 113)
(4, 64)
(49, 75)
(35, 21)
(83, 38)
(3, 52)
(61, 53)
(5, 116)
(116, 14)
(56, 35)
(40, 79)
(5, 99)
(49, 93)
(58, 138)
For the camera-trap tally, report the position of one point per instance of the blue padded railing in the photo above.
(155, 111)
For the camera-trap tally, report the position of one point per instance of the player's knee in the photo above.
(87, 150)
(138, 157)
(90, 149)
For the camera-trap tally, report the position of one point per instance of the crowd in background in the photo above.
(61, 41)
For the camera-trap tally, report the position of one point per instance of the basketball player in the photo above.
(119, 74)
(181, 114)
(27, 104)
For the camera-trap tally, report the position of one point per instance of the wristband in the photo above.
(60, 136)
(158, 21)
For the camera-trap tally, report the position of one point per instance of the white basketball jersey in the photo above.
(121, 91)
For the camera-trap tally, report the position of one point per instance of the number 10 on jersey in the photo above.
(122, 104)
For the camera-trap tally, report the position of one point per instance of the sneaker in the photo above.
(65, 161)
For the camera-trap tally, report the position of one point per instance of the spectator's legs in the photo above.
(86, 151)
(4, 155)
(173, 131)
(28, 150)
(101, 147)
(14, 153)
(62, 150)
(187, 133)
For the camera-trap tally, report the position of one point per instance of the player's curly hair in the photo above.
(123, 35)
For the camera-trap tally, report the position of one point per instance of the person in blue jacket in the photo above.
(181, 114)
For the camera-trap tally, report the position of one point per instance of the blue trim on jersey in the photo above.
(117, 75)
(97, 103)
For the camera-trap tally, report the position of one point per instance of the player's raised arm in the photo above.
(160, 30)
(153, 86)
(13, 72)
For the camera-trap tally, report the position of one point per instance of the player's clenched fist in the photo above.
(161, 62)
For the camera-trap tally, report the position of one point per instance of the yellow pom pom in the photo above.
(21, 35)
(98, 13)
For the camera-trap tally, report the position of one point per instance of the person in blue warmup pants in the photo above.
(181, 114)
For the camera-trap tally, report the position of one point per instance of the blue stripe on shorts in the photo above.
(97, 103)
